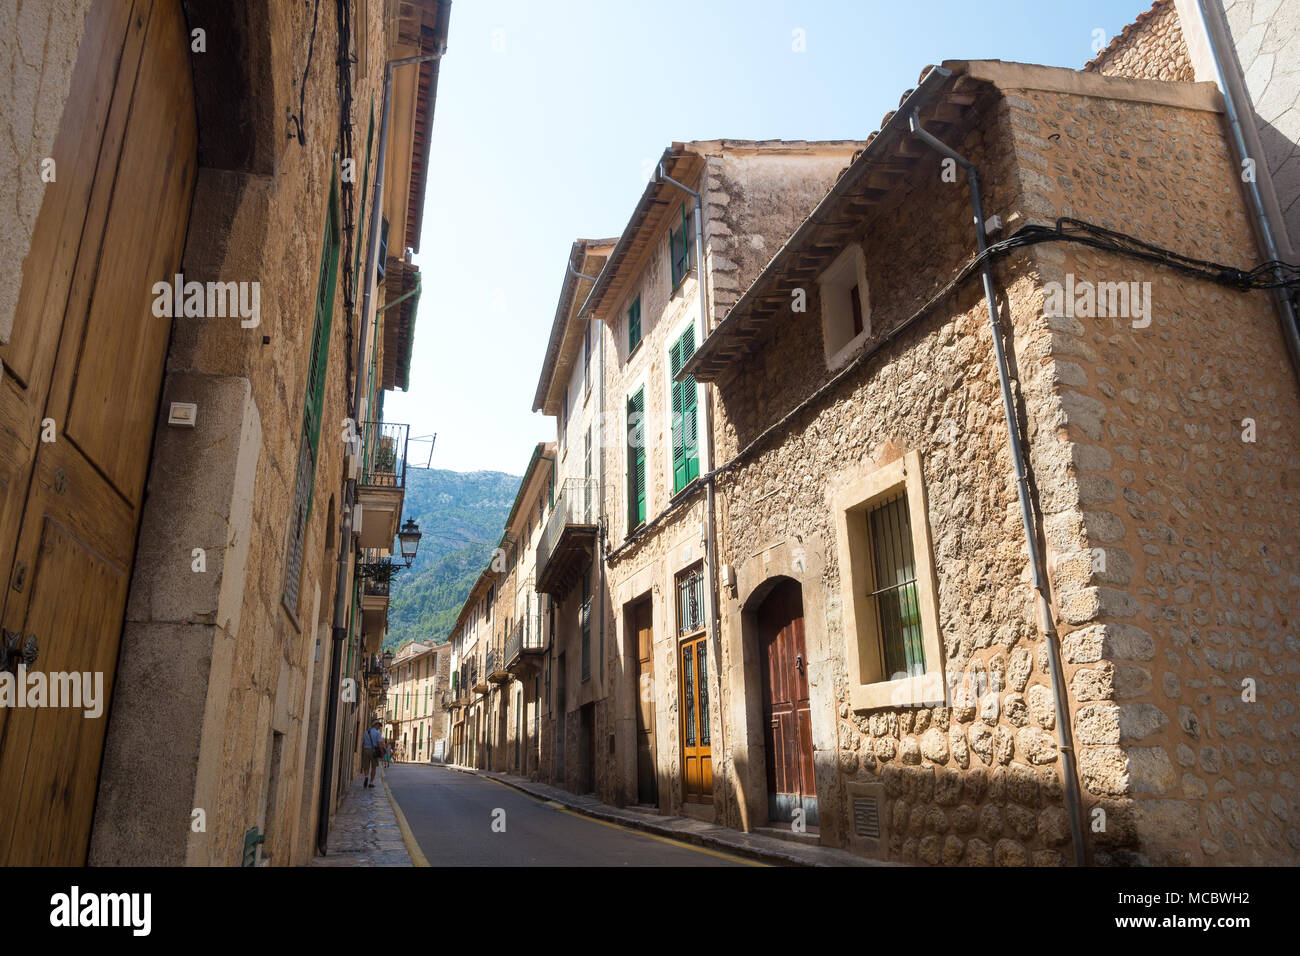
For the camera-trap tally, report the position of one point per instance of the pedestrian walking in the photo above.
(372, 751)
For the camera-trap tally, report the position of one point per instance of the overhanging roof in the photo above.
(942, 100)
(566, 334)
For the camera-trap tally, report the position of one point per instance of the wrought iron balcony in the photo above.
(381, 481)
(383, 454)
(496, 666)
(477, 681)
(566, 545)
(526, 645)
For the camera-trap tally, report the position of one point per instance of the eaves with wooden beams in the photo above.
(946, 101)
(420, 27)
(890, 156)
(586, 257)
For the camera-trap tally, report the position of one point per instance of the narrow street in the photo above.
(451, 815)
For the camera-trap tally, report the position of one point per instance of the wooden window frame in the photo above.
(869, 687)
(845, 306)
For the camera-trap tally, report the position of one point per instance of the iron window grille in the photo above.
(690, 601)
(893, 570)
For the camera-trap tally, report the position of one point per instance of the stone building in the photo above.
(415, 716)
(202, 208)
(1255, 45)
(470, 640)
(623, 553)
(907, 615)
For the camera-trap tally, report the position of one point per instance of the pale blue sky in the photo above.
(549, 115)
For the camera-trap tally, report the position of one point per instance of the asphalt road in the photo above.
(457, 819)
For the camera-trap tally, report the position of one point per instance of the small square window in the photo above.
(890, 618)
(846, 306)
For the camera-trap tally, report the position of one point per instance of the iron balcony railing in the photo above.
(575, 504)
(383, 454)
(527, 635)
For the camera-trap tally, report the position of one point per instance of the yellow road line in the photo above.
(417, 855)
(619, 826)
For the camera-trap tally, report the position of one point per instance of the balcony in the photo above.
(374, 596)
(565, 549)
(496, 666)
(381, 482)
(477, 681)
(526, 646)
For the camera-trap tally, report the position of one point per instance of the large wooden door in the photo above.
(786, 714)
(84, 368)
(647, 787)
(697, 747)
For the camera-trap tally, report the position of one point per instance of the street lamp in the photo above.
(409, 537)
(388, 659)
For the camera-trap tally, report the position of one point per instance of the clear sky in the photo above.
(550, 114)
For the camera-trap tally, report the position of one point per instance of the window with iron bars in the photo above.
(690, 600)
(893, 582)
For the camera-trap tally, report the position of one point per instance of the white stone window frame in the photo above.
(869, 687)
(833, 286)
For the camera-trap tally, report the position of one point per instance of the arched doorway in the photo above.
(787, 719)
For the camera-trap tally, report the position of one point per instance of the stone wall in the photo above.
(1192, 509)
(1152, 47)
(1134, 440)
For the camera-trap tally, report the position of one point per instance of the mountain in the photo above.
(462, 516)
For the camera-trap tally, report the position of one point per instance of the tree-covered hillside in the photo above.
(462, 515)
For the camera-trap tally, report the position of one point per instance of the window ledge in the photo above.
(923, 691)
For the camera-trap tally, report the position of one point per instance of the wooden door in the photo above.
(697, 750)
(786, 713)
(84, 367)
(647, 787)
(561, 702)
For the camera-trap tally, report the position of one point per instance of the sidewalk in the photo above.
(365, 830)
(756, 846)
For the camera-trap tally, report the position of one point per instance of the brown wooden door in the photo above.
(697, 748)
(647, 786)
(786, 714)
(86, 358)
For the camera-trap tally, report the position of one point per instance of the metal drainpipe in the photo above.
(342, 593)
(1041, 585)
(1262, 227)
(706, 469)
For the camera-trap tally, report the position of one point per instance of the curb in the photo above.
(699, 839)
(417, 855)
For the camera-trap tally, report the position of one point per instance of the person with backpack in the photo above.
(373, 749)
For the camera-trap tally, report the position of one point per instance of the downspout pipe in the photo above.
(1041, 585)
(342, 593)
(1263, 228)
(706, 468)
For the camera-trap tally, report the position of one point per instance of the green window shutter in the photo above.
(634, 325)
(686, 460)
(636, 460)
(313, 403)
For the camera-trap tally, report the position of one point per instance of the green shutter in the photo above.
(636, 460)
(634, 325)
(686, 460)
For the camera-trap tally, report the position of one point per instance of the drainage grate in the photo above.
(866, 817)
